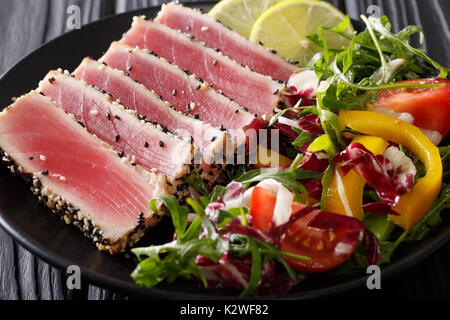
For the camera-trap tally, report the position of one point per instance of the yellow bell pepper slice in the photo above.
(268, 158)
(345, 192)
(414, 204)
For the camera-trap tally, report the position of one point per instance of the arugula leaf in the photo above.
(196, 181)
(255, 272)
(302, 138)
(179, 213)
(433, 217)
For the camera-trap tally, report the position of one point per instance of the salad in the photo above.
(362, 166)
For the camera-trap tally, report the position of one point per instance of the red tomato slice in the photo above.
(430, 107)
(327, 247)
(330, 241)
(262, 204)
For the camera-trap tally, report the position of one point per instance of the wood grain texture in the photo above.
(27, 24)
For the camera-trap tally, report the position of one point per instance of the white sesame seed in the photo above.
(42, 157)
(204, 28)
(62, 178)
(94, 112)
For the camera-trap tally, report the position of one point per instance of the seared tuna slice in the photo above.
(209, 140)
(183, 90)
(144, 143)
(216, 35)
(259, 93)
(77, 175)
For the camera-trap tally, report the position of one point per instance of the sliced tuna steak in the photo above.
(184, 91)
(259, 93)
(216, 35)
(137, 97)
(146, 144)
(76, 174)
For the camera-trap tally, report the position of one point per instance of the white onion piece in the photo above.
(288, 122)
(305, 83)
(407, 117)
(392, 67)
(434, 136)
(400, 162)
(283, 205)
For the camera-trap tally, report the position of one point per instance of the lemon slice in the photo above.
(283, 27)
(240, 15)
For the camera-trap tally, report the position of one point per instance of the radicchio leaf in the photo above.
(369, 166)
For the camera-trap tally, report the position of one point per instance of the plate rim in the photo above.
(131, 289)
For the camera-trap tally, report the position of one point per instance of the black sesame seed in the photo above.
(174, 92)
(31, 158)
(121, 154)
(245, 109)
(41, 93)
(217, 49)
(51, 79)
(273, 51)
(196, 117)
(161, 144)
(130, 68)
(198, 87)
(117, 138)
(108, 116)
(45, 172)
(214, 62)
(276, 91)
(117, 117)
(146, 144)
(213, 139)
(81, 124)
(211, 173)
(237, 111)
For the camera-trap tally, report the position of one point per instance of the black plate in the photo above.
(46, 236)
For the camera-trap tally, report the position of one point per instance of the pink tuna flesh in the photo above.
(216, 35)
(184, 92)
(50, 145)
(146, 144)
(259, 93)
(137, 97)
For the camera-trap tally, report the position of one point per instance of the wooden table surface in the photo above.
(26, 24)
